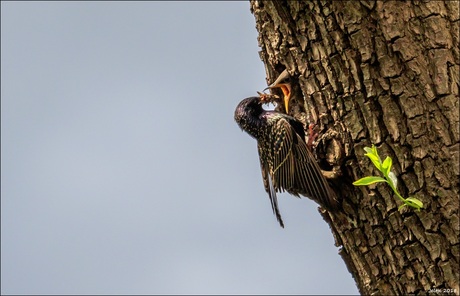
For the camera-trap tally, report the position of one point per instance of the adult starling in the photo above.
(286, 162)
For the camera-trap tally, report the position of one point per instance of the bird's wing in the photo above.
(268, 183)
(283, 162)
(295, 168)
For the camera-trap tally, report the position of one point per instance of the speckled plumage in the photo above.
(286, 162)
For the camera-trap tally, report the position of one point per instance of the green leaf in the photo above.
(415, 203)
(375, 160)
(386, 165)
(368, 150)
(374, 151)
(392, 178)
(368, 181)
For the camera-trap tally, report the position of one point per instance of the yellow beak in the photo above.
(286, 89)
(283, 82)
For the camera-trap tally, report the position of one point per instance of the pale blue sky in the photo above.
(122, 169)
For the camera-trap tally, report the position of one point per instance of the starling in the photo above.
(286, 162)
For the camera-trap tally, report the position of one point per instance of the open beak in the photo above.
(280, 82)
(286, 89)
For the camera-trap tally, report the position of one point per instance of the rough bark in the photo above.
(383, 73)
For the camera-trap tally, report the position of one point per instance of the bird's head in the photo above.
(284, 83)
(251, 106)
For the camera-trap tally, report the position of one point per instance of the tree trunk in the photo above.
(383, 73)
